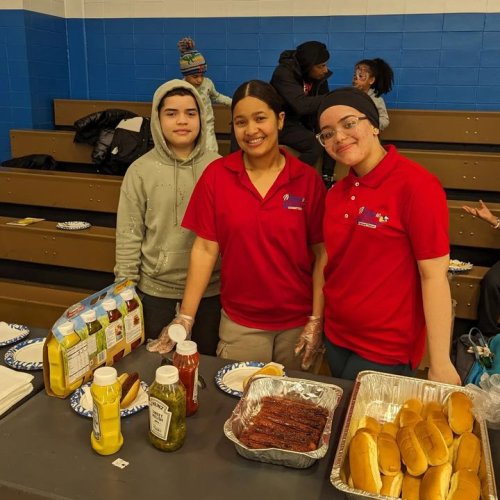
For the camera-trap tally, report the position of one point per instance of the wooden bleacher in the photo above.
(42, 244)
(458, 146)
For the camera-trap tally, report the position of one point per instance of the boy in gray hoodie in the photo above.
(152, 249)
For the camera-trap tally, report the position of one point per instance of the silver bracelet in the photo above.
(497, 225)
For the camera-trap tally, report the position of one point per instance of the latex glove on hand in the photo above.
(164, 344)
(310, 341)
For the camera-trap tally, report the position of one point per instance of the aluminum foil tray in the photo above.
(326, 395)
(380, 395)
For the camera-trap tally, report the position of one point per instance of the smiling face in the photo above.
(180, 123)
(256, 126)
(362, 78)
(357, 147)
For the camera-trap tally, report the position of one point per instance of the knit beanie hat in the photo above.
(355, 98)
(308, 54)
(191, 61)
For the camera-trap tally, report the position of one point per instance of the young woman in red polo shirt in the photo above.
(386, 235)
(260, 209)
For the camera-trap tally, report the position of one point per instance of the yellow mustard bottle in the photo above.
(106, 437)
(57, 353)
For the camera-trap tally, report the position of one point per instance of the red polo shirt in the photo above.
(267, 263)
(376, 228)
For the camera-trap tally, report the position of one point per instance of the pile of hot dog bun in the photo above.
(429, 452)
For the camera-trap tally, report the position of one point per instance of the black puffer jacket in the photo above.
(98, 129)
(288, 80)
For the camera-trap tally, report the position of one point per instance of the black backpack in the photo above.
(131, 139)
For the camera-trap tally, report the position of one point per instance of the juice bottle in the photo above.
(167, 410)
(57, 352)
(106, 437)
(114, 330)
(133, 326)
(96, 341)
(187, 360)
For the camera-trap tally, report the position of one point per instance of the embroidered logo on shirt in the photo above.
(292, 202)
(370, 218)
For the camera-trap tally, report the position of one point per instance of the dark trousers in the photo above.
(159, 312)
(489, 302)
(347, 364)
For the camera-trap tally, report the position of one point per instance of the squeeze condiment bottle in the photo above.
(106, 437)
(167, 410)
(56, 352)
(187, 360)
(114, 330)
(177, 332)
(96, 341)
(132, 320)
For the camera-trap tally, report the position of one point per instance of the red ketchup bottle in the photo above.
(187, 360)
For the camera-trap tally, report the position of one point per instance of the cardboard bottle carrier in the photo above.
(97, 331)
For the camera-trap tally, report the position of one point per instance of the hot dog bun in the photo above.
(436, 482)
(432, 442)
(413, 404)
(389, 457)
(467, 452)
(391, 485)
(438, 418)
(464, 485)
(408, 417)
(390, 428)
(372, 424)
(430, 407)
(363, 463)
(411, 487)
(130, 383)
(460, 415)
(412, 454)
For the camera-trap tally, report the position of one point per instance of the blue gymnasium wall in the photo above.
(441, 61)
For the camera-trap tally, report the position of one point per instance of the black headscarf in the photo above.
(308, 54)
(355, 98)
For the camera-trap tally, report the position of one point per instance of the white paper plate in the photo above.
(27, 355)
(230, 377)
(11, 332)
(81, 401)
(73, 225)
(458, 266)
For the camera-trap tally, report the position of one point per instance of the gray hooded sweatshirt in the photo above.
(152, 249)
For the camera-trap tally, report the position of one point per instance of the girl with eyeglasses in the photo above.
(386, 236)
(375, 77)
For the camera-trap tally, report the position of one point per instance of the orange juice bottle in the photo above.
(106, 437)
(57, 354)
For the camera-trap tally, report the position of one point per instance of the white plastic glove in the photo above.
(164, 344)
(310, 341)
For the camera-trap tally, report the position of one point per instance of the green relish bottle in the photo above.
(167, 410)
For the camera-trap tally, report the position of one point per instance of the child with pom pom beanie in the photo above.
(193, 68)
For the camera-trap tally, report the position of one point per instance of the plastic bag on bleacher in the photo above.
(35, 162)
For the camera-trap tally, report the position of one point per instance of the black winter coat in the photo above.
(288, 80)
(98, 129)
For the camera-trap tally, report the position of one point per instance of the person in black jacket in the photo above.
(301, 81)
